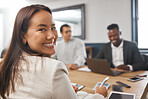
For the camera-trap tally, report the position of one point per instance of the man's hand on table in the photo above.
(73, 67)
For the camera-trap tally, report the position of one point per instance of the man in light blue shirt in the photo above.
(70, 50)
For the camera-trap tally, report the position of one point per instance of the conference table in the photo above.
(90, 79)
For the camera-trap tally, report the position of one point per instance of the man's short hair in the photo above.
(64, 25)
(113, 26)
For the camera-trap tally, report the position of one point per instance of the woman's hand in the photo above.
(101, 90)
(75, 88)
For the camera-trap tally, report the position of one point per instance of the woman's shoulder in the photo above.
(53, 62)
(42, 62)
(54, 65)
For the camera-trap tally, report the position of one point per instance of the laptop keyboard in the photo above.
(115, 73)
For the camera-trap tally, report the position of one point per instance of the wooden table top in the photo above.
(90, 79)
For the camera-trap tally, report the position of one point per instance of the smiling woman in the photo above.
(34, 36)
(27, 71)
(39, 36)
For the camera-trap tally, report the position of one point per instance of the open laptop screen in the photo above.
(100, 66)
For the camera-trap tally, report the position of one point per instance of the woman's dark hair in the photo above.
(9, 64)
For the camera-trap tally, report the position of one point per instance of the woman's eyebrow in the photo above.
(42, 25)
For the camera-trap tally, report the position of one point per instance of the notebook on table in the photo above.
(101, 66)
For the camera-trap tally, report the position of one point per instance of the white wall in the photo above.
(101, 13)
(98, 13)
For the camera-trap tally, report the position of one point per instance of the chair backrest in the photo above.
(145, 60)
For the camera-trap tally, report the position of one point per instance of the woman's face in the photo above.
(40, 35)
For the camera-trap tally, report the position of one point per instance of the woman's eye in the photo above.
(42, 29)
(53, 28)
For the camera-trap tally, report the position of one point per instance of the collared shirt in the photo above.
(71, 52)
(117, 55)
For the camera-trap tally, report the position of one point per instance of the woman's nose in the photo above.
(50, 36)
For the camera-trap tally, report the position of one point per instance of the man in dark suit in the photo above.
(121, 54)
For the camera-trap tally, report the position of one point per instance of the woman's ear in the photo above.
(24, 38)
(24, 41)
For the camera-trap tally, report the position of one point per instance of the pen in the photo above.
(142, 75)
(103, 82)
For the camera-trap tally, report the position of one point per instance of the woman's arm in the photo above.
(61, 86)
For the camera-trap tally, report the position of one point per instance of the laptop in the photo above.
(101, 66)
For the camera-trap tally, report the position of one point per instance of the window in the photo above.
(140, 23)
(1, 32)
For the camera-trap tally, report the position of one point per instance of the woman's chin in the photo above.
(50, 53)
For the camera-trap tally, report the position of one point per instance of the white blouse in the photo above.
(45, 78)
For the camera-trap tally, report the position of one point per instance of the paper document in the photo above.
(79, 86)
(107, 85)
(84, 69)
